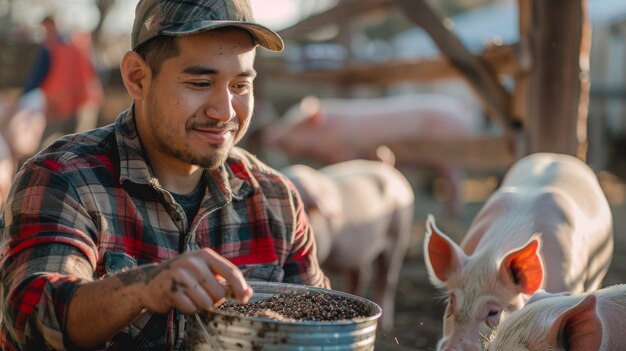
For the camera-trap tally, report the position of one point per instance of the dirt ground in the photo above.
(418, 305)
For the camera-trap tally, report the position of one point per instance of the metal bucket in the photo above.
(235, 332)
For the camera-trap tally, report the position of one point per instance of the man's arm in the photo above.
(47, 268)
(39, 70)
(98, 310)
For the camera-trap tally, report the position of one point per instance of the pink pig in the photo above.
(7, 170)
(362, 215)
(329, 131)
(590, 322)
(549, 226)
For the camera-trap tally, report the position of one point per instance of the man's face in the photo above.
(201, 102)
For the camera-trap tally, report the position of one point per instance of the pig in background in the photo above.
(588, 322)
(21, 125)
(328, 131)
(7, 170)
(548, 226)
(362, 214)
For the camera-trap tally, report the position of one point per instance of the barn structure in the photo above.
(534, 90)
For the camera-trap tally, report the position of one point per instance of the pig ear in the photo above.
(524, 267)
(579, 328)
(317, 118)
(312, 108)
(443, 257)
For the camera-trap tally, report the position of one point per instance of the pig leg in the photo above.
(389, 264)
(357, 280)
(351, 279)
(453, 176)
(384, 288)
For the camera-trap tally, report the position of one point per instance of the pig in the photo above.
(7, 170)
(587, 322)
(329, 131)
(24, 125)
(361, 213)
(548, 226)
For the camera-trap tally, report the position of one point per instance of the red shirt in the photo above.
(66, 86)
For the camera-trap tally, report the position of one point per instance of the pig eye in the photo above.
(493, 318)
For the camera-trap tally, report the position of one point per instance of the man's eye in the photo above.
(242, 88)
(201, 84)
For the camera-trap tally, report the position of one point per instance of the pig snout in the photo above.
(270, 137)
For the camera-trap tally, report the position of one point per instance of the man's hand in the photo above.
(191, 282)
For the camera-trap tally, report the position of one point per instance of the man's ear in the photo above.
(135, 74)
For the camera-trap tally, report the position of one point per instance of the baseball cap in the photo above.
(178, 17)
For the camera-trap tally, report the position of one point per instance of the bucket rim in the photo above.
(262, 287)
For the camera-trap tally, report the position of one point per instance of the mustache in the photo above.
(215, 125)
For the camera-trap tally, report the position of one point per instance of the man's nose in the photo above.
(220, 105)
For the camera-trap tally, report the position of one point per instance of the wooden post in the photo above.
(558, 86)
(520, 98)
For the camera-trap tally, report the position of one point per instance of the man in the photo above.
(68, 80)
(112, 236)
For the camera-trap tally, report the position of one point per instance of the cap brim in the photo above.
(263, 36)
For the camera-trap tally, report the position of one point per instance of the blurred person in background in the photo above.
(89, 111)
(67, 77)
(112, 237)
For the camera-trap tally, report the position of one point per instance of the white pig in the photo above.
(589, 322)
(362, 215)
(7, 170)
(548, 226)
(329, 131)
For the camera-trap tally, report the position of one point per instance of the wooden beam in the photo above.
(559, 80)
(608, 92)
(503, 59)
(520, 97)
(478, 73)
(337, 14)
(480, 152)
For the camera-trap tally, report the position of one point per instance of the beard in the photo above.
(211, 160)
(210, 156)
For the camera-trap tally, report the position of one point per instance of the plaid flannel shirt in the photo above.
(89, 206)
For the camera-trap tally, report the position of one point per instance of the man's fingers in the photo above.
(188, 285)
(183, 303)
(226, 270)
